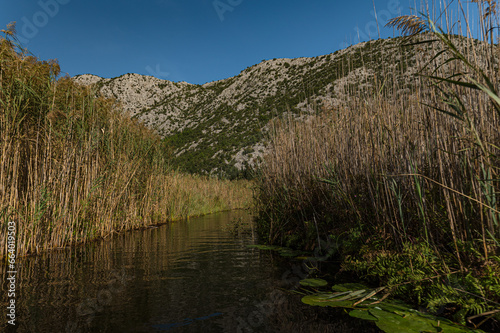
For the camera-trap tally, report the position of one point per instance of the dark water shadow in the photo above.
(190, 276)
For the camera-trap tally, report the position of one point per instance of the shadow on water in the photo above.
(189, 276)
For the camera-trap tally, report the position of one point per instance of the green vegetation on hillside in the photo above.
(220, 128)
(240, 128)
(74, 168)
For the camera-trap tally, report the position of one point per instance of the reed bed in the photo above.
(393, 160)
(392, 168)
(74, 168)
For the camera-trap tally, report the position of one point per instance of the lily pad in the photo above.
(407, 323)
(326, 299)
(313, 282)
(391, 316)
(395, 306)
(362, 314)
(349, 287)
(414, 322)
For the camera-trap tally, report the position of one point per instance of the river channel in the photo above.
(187, 276)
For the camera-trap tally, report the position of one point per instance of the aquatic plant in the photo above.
(390, 316)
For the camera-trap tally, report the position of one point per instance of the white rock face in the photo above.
(134, 91)
(87, 79)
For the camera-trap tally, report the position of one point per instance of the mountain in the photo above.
(220, 127)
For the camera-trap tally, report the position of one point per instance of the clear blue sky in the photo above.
(187, 40)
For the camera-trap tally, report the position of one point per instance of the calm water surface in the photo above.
(190, 276)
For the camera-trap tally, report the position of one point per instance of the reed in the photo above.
(75, 168)
(392, 166)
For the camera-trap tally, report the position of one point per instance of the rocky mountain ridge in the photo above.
(219, 127)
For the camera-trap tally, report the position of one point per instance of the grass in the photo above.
(75, 168)
(395, 170)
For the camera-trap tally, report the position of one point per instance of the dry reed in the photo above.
(395, 165)
(74, 168)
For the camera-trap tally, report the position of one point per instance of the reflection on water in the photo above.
(182, 277)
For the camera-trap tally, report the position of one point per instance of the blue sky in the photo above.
(187, 40)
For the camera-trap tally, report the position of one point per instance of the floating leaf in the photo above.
(313, 283)
(358, 293)
(390, 316)
(414, 322)
(395, 306)
(369, 295)
(362, 314)
(348, 287)
(326, 299)
(393, 323)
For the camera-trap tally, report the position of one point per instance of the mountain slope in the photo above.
(219, 127)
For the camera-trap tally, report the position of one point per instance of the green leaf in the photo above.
(313, 283)
(325, 299)
(362, 314)
(390, 316)
(349, 287)
(491, 93)
(444, 111)
(407, 323)
(459, 83)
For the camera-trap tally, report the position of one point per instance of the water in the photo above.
(190, 276)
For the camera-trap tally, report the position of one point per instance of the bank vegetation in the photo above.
(74, 167)
(403, 177)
